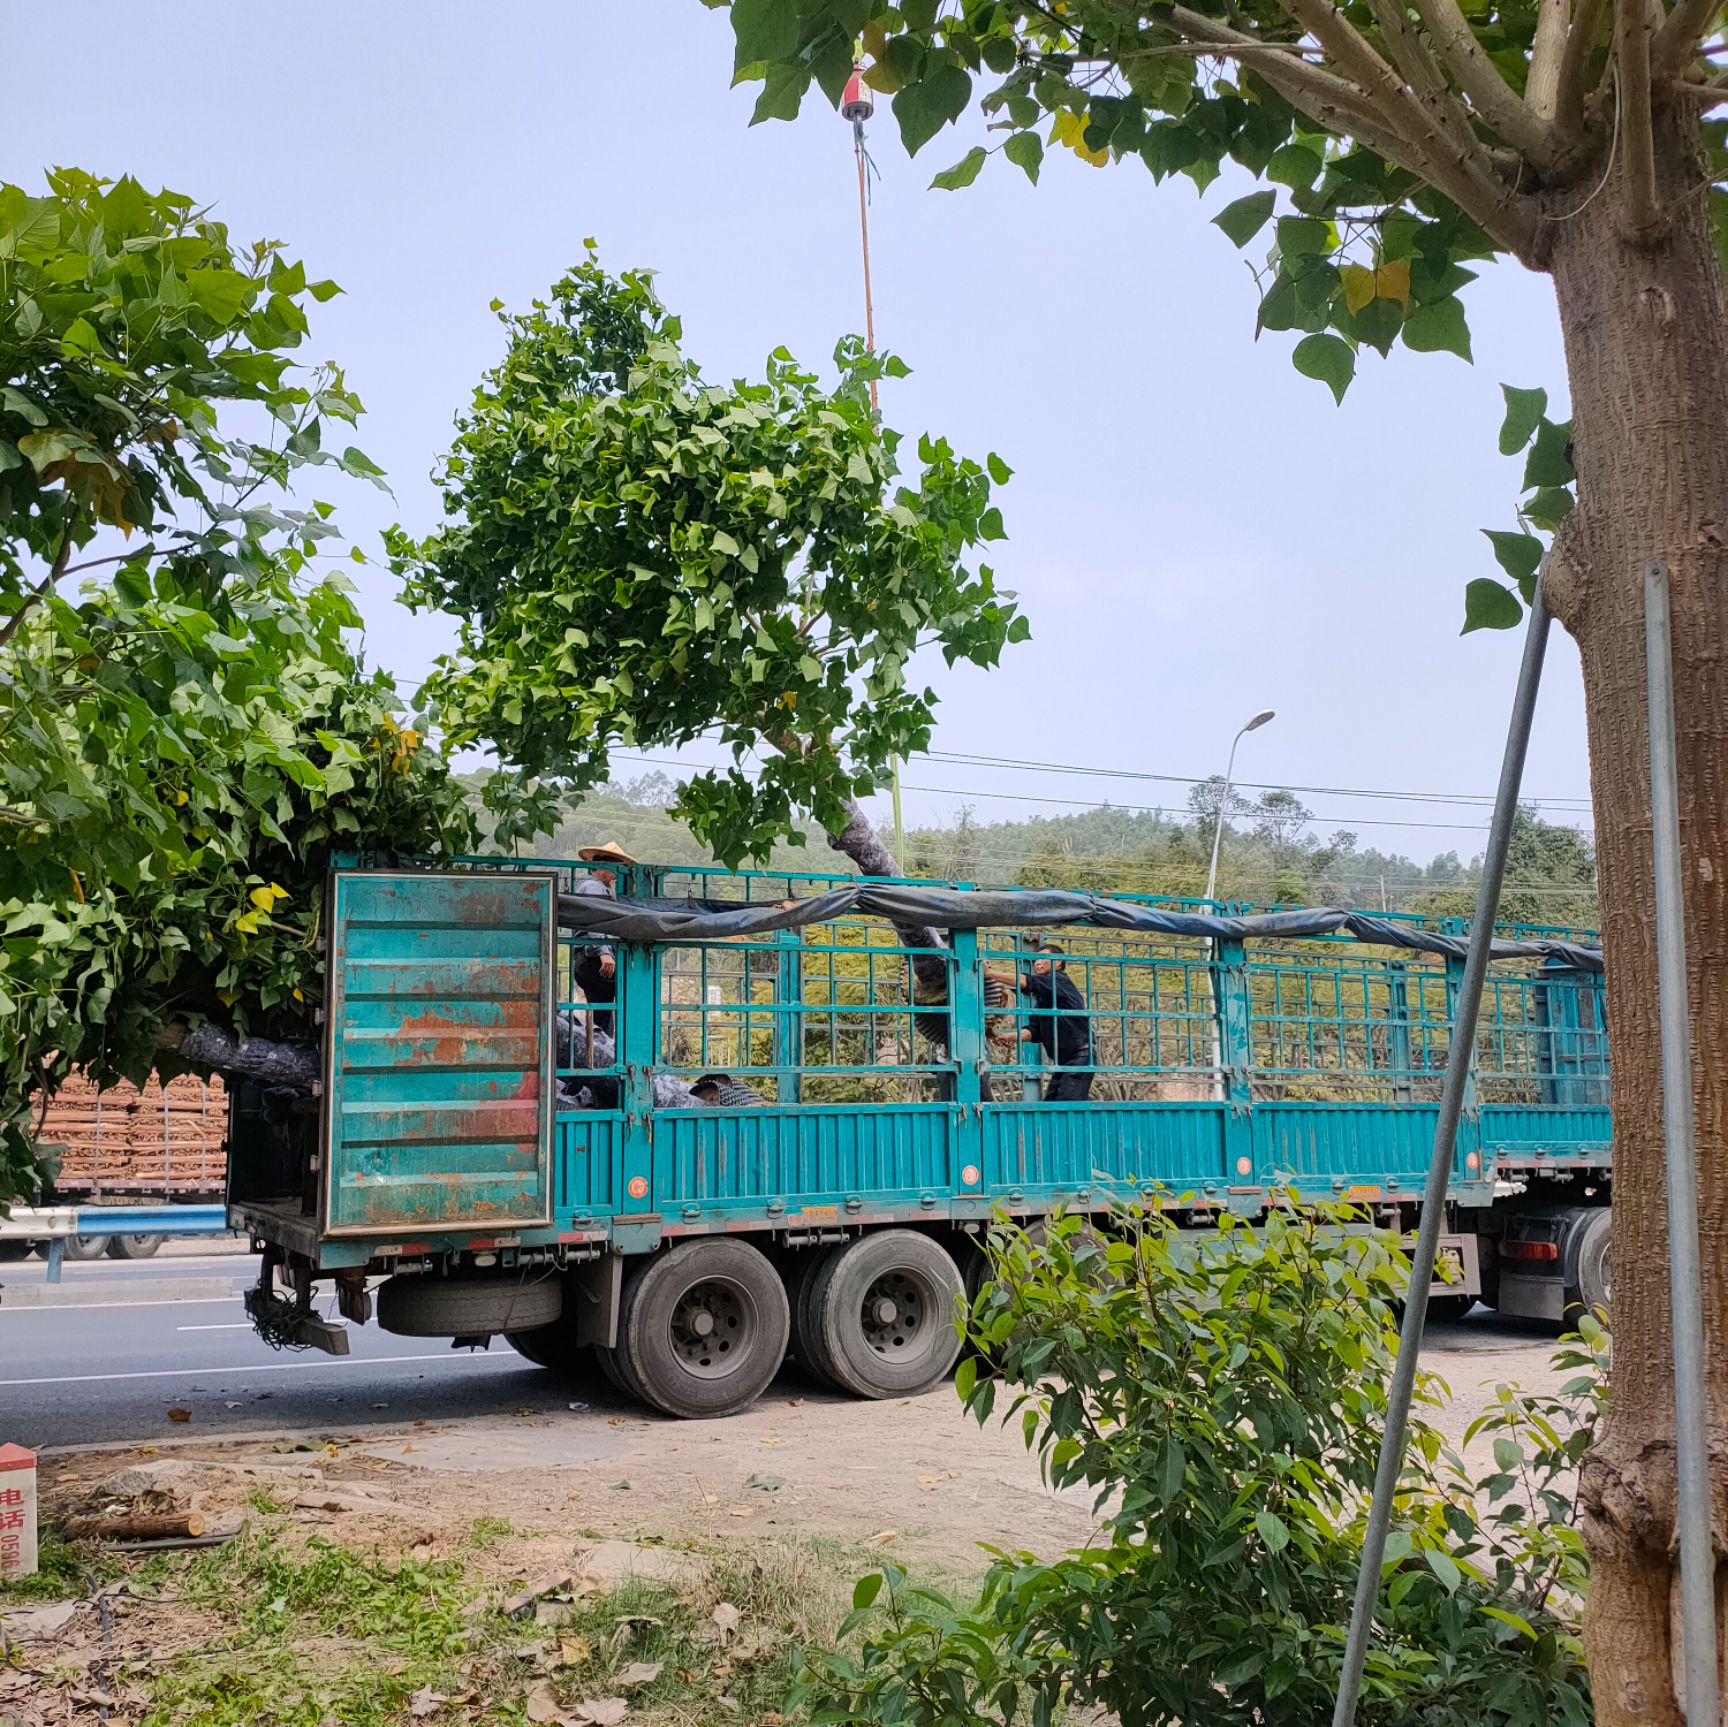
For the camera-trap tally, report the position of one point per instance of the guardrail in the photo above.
(56, 1224)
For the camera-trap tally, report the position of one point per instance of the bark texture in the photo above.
(1647, 356)
(859, 840)
(212, 1048)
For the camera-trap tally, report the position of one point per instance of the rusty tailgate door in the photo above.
(439, 1062)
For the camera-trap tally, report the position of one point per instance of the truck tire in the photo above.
(469, 1306)
(1594, 1266)
(703, 1328)
(552, 1346)
(133, 1246)
(885, 1309)
(87, 1246)
(800, 1271)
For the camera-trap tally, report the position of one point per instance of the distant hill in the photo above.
(1270, 855)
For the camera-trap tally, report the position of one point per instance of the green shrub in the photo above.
(1222, 1392)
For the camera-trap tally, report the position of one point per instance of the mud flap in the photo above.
(597, 1286)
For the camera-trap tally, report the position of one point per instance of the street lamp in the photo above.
(1253, 725)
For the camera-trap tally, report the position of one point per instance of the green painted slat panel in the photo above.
(438, 1114)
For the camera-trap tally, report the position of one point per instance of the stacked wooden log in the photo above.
(158, 1140)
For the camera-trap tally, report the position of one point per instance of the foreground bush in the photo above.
(1223, 1394)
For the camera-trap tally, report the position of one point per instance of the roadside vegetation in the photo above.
(1224, 1400)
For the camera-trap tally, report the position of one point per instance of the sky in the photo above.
(1195, 531)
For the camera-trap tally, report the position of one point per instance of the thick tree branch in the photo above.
(1413, 57)
(1542, 84)
(1681, 34)
(1499, 106)
(1322, 95)
(1465, 175)
(1574, 65)
(1632, 52)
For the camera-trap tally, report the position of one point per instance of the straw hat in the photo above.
(611, 852)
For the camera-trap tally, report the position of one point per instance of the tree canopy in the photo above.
(1401, 145)
(640, 556)
(186, 728)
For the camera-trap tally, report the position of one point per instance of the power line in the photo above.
(1020, 764)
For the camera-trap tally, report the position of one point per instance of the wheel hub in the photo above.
(711, 1328)
(897, 1316)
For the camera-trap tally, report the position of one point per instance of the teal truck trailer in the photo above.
(515, 1162)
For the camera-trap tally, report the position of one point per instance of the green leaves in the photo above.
(1519, 555)
(1245, 218)
(1438, 328)
(1524, 412)
(963, 173)
(637, 555)
(1328, 358)
(127, 319)
(1489, 606)
(766, 30)
(1026, 151)
(1220, 1389)
(182, 749)
(1550, 460)
(924, 108)
(1274, 1531)
(1548, 476)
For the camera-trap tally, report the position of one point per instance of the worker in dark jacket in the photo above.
(1060, 1025)
(596, 964)
(722, 1091)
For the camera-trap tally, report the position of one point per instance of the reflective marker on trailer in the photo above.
(969, 1175)
(1544, 1250)
(638, 1187)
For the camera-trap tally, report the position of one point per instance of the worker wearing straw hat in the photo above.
(597, 966)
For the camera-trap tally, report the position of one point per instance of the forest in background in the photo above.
(1270, 855)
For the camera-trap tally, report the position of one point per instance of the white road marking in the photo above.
(511, 1360)
(226, 1325)
(94, 1306)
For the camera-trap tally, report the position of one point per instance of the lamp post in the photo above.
(1253, 725)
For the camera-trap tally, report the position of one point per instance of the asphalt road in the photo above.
(113, 1371)
(109, 1368)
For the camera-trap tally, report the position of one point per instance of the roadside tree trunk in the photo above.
(859, 840)
(1647, 355)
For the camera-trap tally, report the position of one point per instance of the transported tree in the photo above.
(186, 737)
(1402, 143)
(641, 557)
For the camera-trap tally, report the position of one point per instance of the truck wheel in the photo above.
(133, 1246)
(553, 1346)
(87, 1246)
(885, 1307)
(1594, 1267)
(703, 1328)
(806, 1336)
(468, 1306)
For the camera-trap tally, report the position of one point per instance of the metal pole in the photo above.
(1223, 809)
(1459, 1057)
(1691, 1439)
(1218, 1087)
(864, 237)
(899, 830)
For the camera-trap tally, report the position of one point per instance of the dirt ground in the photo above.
(915, 1481)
